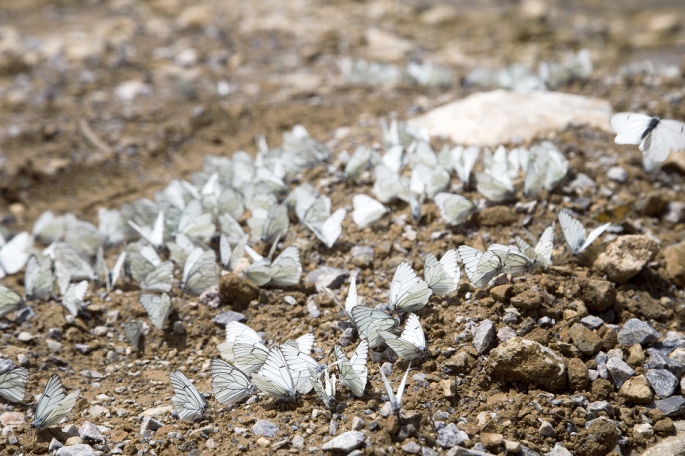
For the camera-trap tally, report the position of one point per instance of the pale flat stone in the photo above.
(500, 116)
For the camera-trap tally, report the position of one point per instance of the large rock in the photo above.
(636, 390)
(346, 442)
(530, 362)
(586, 340)
(600, 436)
(500, 116)
(626, 256)
(596, 294)
(237, 292)
(675, 263)
(636, 331)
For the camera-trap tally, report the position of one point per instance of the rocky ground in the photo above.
(105, 103)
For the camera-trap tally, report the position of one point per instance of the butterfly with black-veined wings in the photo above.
(188, 402)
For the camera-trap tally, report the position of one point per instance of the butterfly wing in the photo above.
(667, 137)
(159, 279)
(574, 232)
(349, 375)
(188, 402)
(38, 279)
(73, 298)
(286, 269)
(158, 308)
(629, 127)
(408, 292)
(229, 384)
(13, 384)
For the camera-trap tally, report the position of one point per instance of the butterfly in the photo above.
(229, 384)
(351, 300)
(326, 227)
(73, 261)
(48, 228)
(54, 404)
(13, 253)
(233, 330)
(155, 234)
(546, 168)
(513, 260)
(454, 209)
(408, 292)
(9, 301)
(158, 308)
(299, 362)
(231, 228)
(575, 233)
(188, 402)
(368, 321)
(286, 269)
(200, 271)
(358, 162)
(367, 210)
(353, 371)
(395, 399)
(249, 353)
(141, 260)
(463, 160)
(442, 276)
(275, 379)
(411, 344)
(656, 137)
(13, 384)
(276, 224)
(133, 330)
(73, 298)
(326, 389)
(541, 254)
(111, 225)
(112, 276)
(481, 267)
(39, 279)
(83, 236)
(159, 279)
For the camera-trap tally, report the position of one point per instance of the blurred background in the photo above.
(103, 101)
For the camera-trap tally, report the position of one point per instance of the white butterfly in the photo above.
(395, 399)
(326, 389)
(496, 189)
(299, 363)
(54, 404)
(158, 308)
(286, 269)
(73, 298)
(480, 267)
(13, 254)
(153, 235)
(195, 223)
(353, 371)
(358, 162)
(48, 228)
(200, 271)
(429, 181)
(62, 277)
(368, 321)
(326, 227)
(83, 236)
(159, 279)
(13, 384)
(38, 278)
(249, 353)
(546, 168)
(442, 276)
(9, 301)
(229, 384)
(133, 331)
(231, 228)
(656, 137)
(304, 343)
(575, 233)
(188, 402)
(110, 277)
(454, 209)
(389, 185)
(513, 260)
(408, 292)
(180, 248)
(141, 259)
(352, 299)
(274, 378)
(231, 256)
(72, 260)
(111, 225)
(233, 330)
(276, 224)
(411, 344)
(367, 210)
(542, 253)
(463, 160)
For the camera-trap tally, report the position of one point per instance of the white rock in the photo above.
(350, 440)
(497, 117)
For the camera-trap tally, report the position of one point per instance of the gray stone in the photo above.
(559, 450)
(357, 423)
(484, 335)
(386, 410)
(659, 361)
(675, 212)
(618, 174)
(636, 331)
(671, 446)
(525, 451)
(426, 451)
(497, 117)
(298, 441)
(592, 322)
(90, 433)
(225, 318)
(345, 442)
(672, 406)
(326, 276)
(333, 427)
(6, 365)
(149, 425)
(265, 428)
(362, 256)
(461, 451)
(387, 368)
(451, 435)
(411, 448)
(600, 406)
(662, 381)
(546, 429)
(626, 256)
(582, 182)
(76, 450)
(82, 348)
(619, 371)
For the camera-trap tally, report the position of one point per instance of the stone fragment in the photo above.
(559, 450)
(672, 406)
(596, 294)
(497, 117)
(512, 446)
(636, 390)
(265, 428)
(664, 426)
(626, 256)
(76, 450)
(662, 381)
(618, 174)
(491, 441)
(54, 445)
(451, 435)
(149, 424)
(528, 300)
(326, 276)
(484, 335)
(501, 293)
(546, 429)
(600, 436)
(411, 448)
(636, 355)
(577, 374)
(345, 442)
(586, 340)
(528, 361)
(225, 318)
(645, 306)
(12, 419)
(619, 371)
(236, 291)
(362, 256)
(592, 322)
(157, 411)
(636, 331)
(90, 433)
(449, 388)
(642, 432)
(675, 263)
